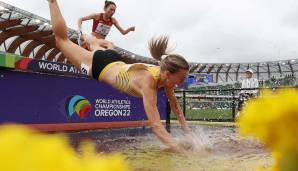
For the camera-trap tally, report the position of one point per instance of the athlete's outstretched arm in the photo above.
(175, 107)
(74, 53)
(122, 31)
(85, 18)
(149, 94)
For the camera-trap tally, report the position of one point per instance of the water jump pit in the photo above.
(219, 149)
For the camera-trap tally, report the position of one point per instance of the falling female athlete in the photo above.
(140, 80)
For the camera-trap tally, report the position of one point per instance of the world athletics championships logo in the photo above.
(79, 105)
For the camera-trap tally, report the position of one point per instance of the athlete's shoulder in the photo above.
(114, 20)
(97, 16)
(148, 80)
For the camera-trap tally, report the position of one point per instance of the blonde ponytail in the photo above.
(158, 47)
(172, 62)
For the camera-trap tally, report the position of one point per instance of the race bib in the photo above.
(85, 69)
(103, 29)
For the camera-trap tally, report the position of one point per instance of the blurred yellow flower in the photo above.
(24, 149)
(273, 118)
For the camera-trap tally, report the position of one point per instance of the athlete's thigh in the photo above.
(76, 54)
(103, 43)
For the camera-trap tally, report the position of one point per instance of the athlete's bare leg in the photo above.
(95, 43)
(105, 43)
(74, 53)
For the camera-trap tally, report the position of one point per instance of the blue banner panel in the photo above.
(33, 98)
(197, 79)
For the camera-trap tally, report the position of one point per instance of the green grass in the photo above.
(206, 114)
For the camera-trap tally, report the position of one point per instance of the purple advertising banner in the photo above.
(8, 60)
(33, 98)
(53, 67)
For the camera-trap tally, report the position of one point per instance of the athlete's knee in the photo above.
(111, 44)
(108, 45)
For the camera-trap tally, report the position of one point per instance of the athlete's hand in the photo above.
(179, 149)
(187, 130)
(132, 28)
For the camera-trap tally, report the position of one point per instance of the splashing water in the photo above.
(197, 141)
(213, 148)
